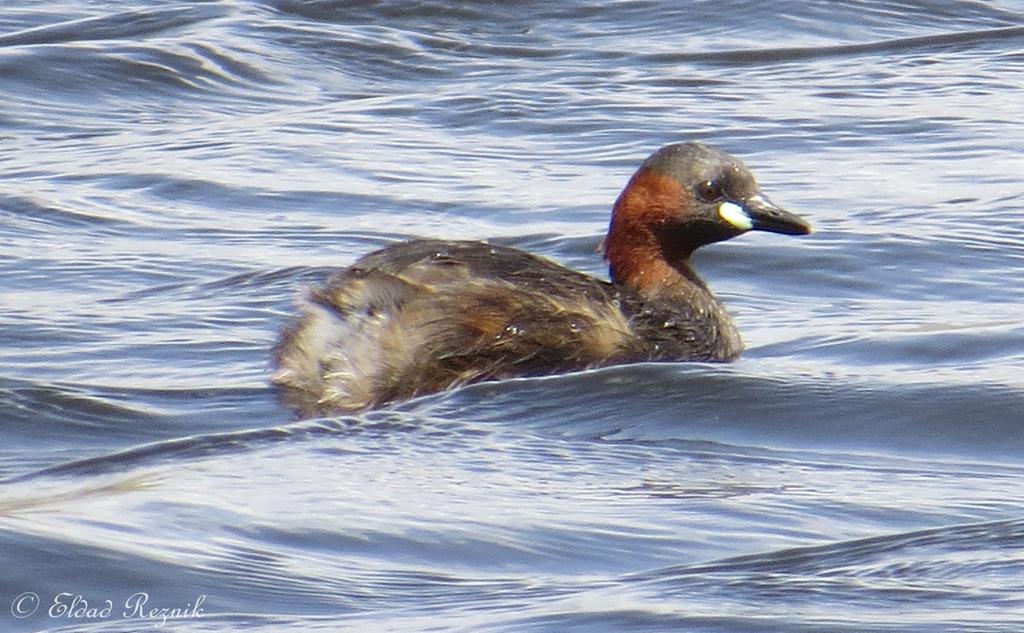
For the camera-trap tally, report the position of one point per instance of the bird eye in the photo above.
(709, 191)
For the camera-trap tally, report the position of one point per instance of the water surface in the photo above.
(174, 175)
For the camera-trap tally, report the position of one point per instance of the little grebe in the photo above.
(425, 315)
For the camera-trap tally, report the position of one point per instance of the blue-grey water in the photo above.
(173, 174)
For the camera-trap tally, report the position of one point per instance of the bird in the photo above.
(426, 315)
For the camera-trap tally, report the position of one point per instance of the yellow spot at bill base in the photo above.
(735, 215)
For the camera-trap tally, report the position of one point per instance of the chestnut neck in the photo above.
(645, 248)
